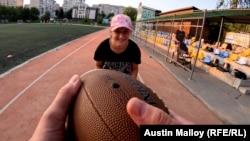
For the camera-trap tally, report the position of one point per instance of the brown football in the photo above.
(99, 111)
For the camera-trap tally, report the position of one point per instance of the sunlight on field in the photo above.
(20, 42)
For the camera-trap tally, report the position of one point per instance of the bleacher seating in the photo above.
(237, 58)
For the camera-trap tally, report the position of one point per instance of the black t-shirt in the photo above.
(120, 62)
(180, 35)
(183, 47)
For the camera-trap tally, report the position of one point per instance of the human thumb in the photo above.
(143, 113)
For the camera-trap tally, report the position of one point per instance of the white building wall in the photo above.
(34, 3)
(11, 2)
(79, 9)
(45, 6)
(107, 8)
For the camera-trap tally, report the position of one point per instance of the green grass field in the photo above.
(25, 41)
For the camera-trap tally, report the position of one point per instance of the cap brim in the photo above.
(114, 28)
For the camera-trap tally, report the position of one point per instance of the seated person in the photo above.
(223, 46)
(192, 40)
(229, 47)
(209, 48)
(216, 45)
(238, 50)
(216, 50)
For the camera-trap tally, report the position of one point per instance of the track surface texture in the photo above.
(27, 90)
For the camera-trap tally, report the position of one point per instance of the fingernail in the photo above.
(73, 79)
(139, 108)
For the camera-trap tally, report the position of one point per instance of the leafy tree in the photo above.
(15, 13)
(3, 12)
(102, 14)
(12, 14)
(131, 12)
(232, 4)
(110, 15)
(46, 16)
(237, 27)
(19, 13)
(26, 14)
(34, 13)
(68, 14)
(219, 4)
(57, 12)
(101, 17)
(60, 14)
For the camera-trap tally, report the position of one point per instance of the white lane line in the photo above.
(32, 83)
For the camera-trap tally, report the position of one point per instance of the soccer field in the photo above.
(20, 42)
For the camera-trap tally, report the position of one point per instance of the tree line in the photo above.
(233, 4)
(12, 14)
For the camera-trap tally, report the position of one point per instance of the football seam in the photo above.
(95, 108)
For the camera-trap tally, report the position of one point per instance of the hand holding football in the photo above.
(99, 111)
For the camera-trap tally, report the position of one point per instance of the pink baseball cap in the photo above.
(121, 20)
